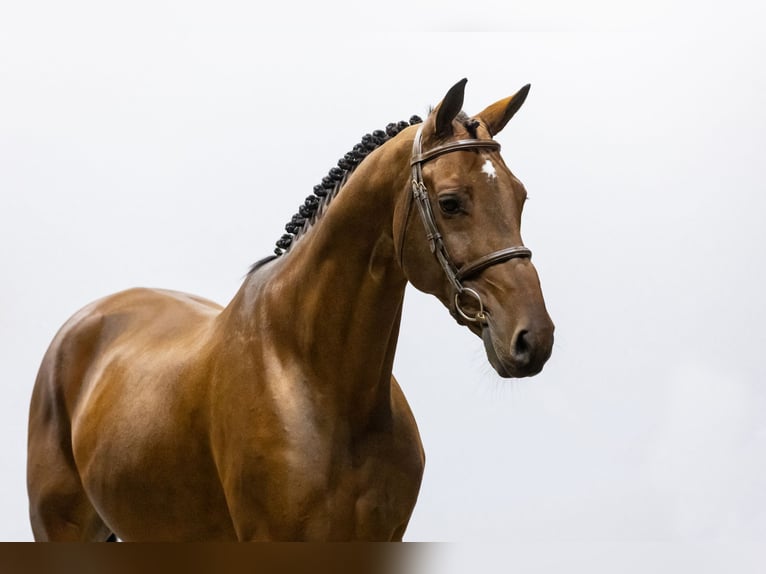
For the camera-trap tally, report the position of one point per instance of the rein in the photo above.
(420, 195)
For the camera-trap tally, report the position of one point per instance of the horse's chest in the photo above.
(298, 474)
(364, 494)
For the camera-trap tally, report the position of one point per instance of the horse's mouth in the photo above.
(494, 360)
(484, 331)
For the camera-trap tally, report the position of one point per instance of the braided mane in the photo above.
(331, 184)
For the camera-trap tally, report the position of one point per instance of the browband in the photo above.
(453, 146)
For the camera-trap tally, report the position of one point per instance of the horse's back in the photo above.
(108, 366)
(144, 318)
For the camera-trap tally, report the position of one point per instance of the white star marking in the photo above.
(489, 169)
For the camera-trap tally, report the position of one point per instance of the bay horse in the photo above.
(158, 415)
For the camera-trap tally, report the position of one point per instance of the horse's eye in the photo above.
(450, 204)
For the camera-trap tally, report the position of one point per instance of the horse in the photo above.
(161, 416)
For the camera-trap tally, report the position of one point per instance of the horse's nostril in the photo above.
(522, 349)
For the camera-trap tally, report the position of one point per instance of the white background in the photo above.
(165, 144)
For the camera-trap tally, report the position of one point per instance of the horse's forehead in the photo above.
(488, 172)
(480, 167)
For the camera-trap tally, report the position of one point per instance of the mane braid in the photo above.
(315, 205)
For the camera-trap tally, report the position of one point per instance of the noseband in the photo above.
(420, 195)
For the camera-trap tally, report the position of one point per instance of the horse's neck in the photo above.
(333, 303)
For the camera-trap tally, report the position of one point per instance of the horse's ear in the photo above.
(498, 114)
(449, 107)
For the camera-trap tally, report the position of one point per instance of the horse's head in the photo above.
(459, 238)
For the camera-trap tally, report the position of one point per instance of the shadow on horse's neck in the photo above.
(334, 301)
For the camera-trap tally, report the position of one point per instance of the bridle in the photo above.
(455, 276)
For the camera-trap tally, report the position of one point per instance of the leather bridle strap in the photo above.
(493, 258)
(420, 195)
(424, 156)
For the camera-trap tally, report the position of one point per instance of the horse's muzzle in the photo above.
(525, 356)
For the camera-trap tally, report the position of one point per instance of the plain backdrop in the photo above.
(165, 144)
